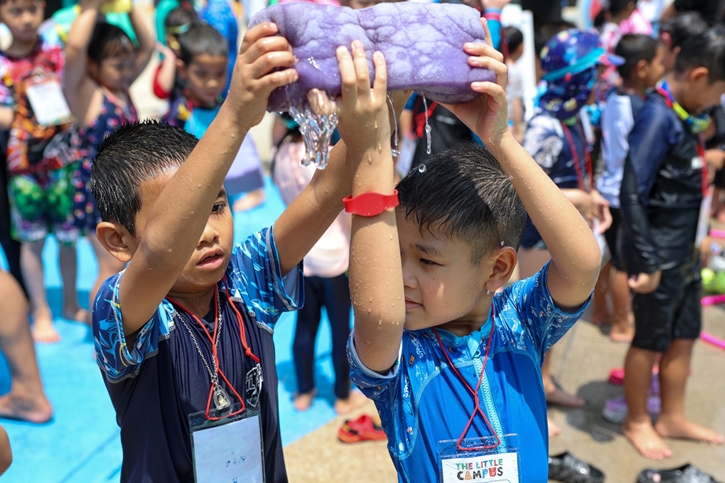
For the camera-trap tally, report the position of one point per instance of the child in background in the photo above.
(608, 21)
(661, 198)
(429, 326)
(101, 65)
(165, 213)
(641, 71)
(515, 88)
(674, 31)
(40, 159)
(202, 68)
(556, 140)
(326, 285)
(166, 83)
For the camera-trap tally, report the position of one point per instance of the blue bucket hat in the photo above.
(573, 51)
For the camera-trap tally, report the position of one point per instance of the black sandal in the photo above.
(683, 474)
(567, 468)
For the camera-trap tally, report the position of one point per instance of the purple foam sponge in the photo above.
(422, 44)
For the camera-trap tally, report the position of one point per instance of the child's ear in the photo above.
(181, 69)
(117, 241)
(505, 259)
(641, 68)
(699, 73)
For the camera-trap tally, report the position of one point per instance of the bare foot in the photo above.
(646, 440)
(36, 410)
(44, 332)
(249, 200)
(623, 333)
(554, 430)
(562, 398)
(303, 402)
(685, 429)
(354, 401)
(76, 314)
(601, 318)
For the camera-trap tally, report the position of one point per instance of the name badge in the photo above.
(48, 103)
(503, 468)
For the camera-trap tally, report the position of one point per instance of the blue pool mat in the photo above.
(81, 444)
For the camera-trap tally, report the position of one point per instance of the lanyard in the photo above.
(421, 120)
(577, 166)
(476, 401)
(700, 141)
(215, 355)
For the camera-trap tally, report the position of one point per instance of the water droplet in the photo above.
(427, 126)
(395, 151)
(421, 168)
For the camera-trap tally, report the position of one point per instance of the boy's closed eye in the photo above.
(429, 263)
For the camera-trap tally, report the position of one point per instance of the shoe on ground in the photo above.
(567, 468)
(683, 474)
(360, 429)
(615, 409)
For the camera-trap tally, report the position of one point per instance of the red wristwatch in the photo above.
(370, 204)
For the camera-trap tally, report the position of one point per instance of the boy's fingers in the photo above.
(277, 79)
(380, 86)
(271, 61)
(491, 89)
(265, 46)
(498, 68)
(264, 29)
(347, 76)
(482, 50)
(361, 68)
(486, 31)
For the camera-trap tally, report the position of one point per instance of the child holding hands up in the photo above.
(184, 334)
(453, 367)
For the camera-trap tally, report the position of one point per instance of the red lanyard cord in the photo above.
(577, 166)
(700, 143)
(215, 355)
(421, 118)
(476, 398)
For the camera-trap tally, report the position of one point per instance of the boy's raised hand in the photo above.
(363, 111)
(487, 114)
(263, 64)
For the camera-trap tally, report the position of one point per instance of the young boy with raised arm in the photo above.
(453, 367)
(184, 335)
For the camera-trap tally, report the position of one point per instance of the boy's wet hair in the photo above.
(633, 48)
(108, 41)
(464, 193)
(132, 154)
(202, 39)
(514, 38)
(706, 49)
(683, 26)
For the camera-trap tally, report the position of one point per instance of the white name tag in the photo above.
(48, 103)
(495, 468)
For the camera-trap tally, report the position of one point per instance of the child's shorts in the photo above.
(673, 311)
(42, 203)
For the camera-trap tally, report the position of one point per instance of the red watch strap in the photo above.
(370, 204)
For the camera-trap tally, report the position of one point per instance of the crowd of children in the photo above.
(183, 318)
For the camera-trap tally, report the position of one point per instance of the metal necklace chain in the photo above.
(213, 375)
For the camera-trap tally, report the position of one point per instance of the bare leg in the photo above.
(107, 267)
(623, 322)
(602, 314)
(555, 395)
(32, 265)
(672, 423)
(354, 401)
(554, 429)
(638, 428)
(26, 400)
(69, 273)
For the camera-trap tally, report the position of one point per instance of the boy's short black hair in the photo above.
(108, 41)
(633, 48)
(683, 26)
(202, 39)
(514, 38)
(132, 154)
(465, 190)
(178, 19)
(706, 49)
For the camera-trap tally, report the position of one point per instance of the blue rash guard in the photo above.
(421, 401)
(155, 384)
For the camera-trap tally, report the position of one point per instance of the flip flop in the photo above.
(360, 429)
(683, 474)
(567, 468)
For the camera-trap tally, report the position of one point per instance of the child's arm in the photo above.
(76, 52)
(376, 280)
(575, 254)
(145, 42)
(6, 454)
(7, 115)
(182, 209)
(166, 73)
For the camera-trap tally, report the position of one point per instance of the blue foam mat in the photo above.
(81, 444)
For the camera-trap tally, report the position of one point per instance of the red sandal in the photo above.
(360, 429)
